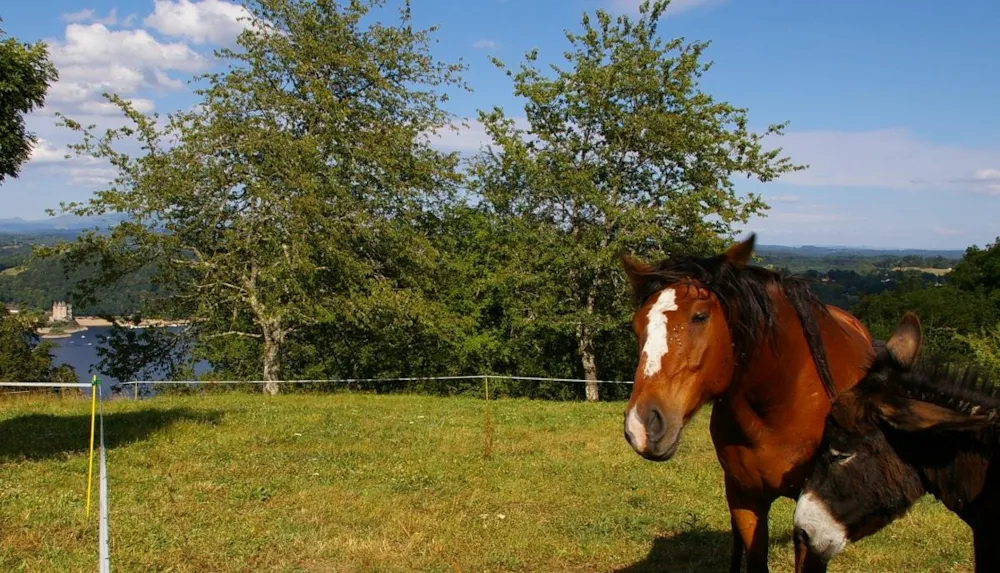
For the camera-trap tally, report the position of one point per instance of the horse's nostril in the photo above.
(655, 427)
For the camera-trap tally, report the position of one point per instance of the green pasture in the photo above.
(360, 482)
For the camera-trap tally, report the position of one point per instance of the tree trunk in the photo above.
(585, 339)
(589, 364)
(273, 339)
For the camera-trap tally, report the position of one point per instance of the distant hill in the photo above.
(63, 224)
(814, 251)
(71, 225)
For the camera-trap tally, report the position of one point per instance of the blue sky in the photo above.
(893, 105)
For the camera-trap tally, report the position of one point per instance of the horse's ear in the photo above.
(739, 254)
(904, 345)
(639, 276)
(911, 415)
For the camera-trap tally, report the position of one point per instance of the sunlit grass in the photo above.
(234, 482)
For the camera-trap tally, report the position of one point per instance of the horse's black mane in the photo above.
(959, 387)
(750, 310)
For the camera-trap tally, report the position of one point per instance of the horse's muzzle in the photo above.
(653, 435)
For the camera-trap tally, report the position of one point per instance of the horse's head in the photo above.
(686, 350)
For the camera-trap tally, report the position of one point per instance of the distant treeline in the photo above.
(862, 261)
(35, 283)
(842, 277)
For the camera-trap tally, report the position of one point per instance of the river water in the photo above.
(79, 350)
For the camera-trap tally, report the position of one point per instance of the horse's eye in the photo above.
(840, 457)
(699, 317)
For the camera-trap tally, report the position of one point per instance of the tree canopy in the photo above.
(301, 219)
(621, 151)
(23, 356)
(25, 76)
(286, 198)
(960, 316)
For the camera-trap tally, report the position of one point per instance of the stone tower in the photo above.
(62, 312)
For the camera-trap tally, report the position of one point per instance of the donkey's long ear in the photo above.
(739, 254)
(904, 345)
(911, 415)
(639, 276)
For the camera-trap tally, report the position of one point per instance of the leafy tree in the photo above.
(957, 316)
(622, 152)
(131, 354)
(23, 357)
(985, 346)
(36, 282)
(25, 76)
(979, 269)
(285, 199)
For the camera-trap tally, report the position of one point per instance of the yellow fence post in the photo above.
(93, 412)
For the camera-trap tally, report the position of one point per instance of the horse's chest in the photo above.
(759, 459)
(761, 469)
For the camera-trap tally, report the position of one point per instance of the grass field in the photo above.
(928, 270)
(226, 483)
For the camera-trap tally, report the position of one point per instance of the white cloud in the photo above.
(815, 217)
(786, 198)
(204, 22)
(985, 181)
(84, 15)
(881, 159)
(810, 223)
(45, 152)
(142, 105)
(947, 232)
(95, 43)
(90, 176)
(888, 159)
(93, 59)
(807, 216)
(675, 7)
(484, 44)
(52, 158)
(467, 137)
(90, 16)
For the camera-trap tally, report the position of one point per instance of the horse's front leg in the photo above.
(736, 557)
(749, 518)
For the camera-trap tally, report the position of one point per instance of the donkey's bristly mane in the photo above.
(962, 388)
(750, 309)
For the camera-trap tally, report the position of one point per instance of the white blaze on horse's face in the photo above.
(656, 331)
(654, 350)
(825, 535)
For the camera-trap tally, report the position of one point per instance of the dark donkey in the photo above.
(908, 428)
(759, 346)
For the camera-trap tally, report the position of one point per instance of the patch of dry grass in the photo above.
(318, 483)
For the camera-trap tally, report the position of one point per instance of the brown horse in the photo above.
(764, 351)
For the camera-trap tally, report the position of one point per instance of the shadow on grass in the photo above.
(41, 436)
(697, 551)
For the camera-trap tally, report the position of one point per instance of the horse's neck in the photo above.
(774, 373)
(781, 381)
